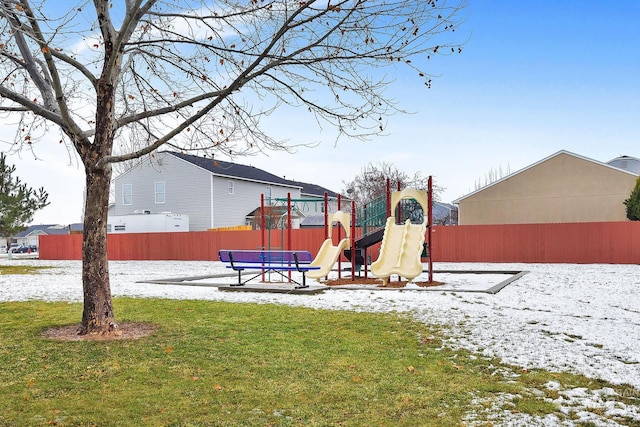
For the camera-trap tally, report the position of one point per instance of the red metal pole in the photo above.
(363, 231)
(326, 215)
(262, 230)
(388, 197)
(430, 226)
(262, 239)
(398, 207)
(353, 241)
(399, 204)
(288, 221)
(339, 233)
(288, 227)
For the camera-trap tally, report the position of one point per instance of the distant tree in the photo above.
(371, 182)
(633, 203)
(120, 79)
(18, 202)
(492, 176)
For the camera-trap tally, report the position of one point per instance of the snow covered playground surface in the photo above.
(563, 317)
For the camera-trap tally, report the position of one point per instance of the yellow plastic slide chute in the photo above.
(402, 243)
(328, 253)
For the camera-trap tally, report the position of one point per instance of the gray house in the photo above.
(213, 193)
(32, 234)
(444, 213)
(628, 163)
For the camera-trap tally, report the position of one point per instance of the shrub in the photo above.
(633, 203)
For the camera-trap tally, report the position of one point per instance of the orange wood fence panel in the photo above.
(605, 242)
(60, 247)
(196, 246)
(610, 242)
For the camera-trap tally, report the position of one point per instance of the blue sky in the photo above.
(535, 77)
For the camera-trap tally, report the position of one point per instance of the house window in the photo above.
(160, 193)
(230, 186)
(127, 194)
(267, 193)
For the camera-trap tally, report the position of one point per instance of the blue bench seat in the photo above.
(268, 260)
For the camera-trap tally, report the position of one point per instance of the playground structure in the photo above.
(402, 234)
(402, 244)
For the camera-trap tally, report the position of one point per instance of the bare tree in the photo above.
(121, 78)
(492, 176)
(371, 182)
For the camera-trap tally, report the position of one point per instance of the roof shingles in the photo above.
(251, 173)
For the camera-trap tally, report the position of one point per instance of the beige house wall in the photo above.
(563, 188)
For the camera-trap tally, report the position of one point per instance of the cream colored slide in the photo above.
(326, 258)
(328, 253)
(401, 243)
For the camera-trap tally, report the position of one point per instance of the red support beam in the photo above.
(430, 226)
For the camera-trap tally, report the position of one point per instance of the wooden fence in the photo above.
(200, 245)
(610, 242)
(580, 243)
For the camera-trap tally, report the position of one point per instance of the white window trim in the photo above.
(230, 186)
(164, 192)
(124, 194)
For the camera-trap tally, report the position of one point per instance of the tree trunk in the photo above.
(97, 317)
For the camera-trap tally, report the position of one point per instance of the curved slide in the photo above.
(400, 251)
(327, 257)
(402, 243)
(390, 248)
(328, 253)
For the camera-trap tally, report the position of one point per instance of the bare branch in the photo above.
(120, 79)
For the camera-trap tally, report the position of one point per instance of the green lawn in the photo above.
(228, 364)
